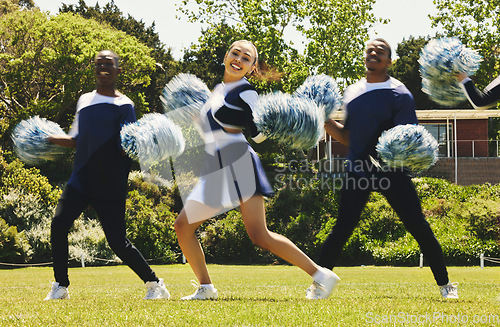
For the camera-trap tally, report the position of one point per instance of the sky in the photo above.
(407, 18)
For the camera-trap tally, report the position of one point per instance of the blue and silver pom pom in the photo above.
(440, 61)
(184, 90)
(152, 139)
(408, 146)
(296, 122)
(30, 140)
(323, 90)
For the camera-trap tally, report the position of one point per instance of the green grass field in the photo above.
(252, 296)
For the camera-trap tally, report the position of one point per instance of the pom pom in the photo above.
(30, 140)
(152, 138)
(408, 146)
(323, 90)
(296, 122)
(184, 90)
(440, 61)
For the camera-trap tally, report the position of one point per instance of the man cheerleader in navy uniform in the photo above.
(372, 105)
(99, 178)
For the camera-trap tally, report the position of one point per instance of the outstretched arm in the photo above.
(480, 99)
(337, 131)
(63, 140)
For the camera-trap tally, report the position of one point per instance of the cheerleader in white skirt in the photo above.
(233, 175)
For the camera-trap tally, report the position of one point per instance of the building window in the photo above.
(443, 133)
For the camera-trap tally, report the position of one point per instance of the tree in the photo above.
(335, 32)
(262, 22)
(47, 62)
(205, 58)
(477, 24)
(110, 14)
(7, 6)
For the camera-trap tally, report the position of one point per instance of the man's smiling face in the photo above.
(377, 57)
(106, 68)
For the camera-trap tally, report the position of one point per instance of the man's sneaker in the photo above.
(58, 292)
(322, 288)
(449, 291)
(202, 293)
(156, 291)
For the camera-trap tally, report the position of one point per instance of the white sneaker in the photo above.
(202, 293)
(322, 288)
(156, 291)
(449, 291)
(58, 292)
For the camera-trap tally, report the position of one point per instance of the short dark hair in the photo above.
(116, 57)
(388, 47)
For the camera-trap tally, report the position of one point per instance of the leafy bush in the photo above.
(38, 237)
(34, 219)
(465, 219)
(467, 229)
(14, 247)
(483, 217)
(225, 240)
(23, 210)
(402, 251)
(154, 187)
(87, 240)
(298, 213)
(27, 201)
(302, 211)
(27, 212)
(14, 176)
(151, 228)
(435, 188)
(379, 221)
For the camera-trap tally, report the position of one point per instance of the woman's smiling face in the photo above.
(239, 61)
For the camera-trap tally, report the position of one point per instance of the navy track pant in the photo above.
(111, 215)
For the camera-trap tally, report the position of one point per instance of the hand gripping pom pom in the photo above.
(408, 146)
(30, 140)
(152, 138)
(440, 61)
(323, 90)
(293, 121)
(185, 90)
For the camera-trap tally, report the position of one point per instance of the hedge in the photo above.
(465, 219)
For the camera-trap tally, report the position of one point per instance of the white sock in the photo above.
(209, 286)
(319, 274)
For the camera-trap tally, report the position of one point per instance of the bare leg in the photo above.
(189, 243)
(254, 218)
